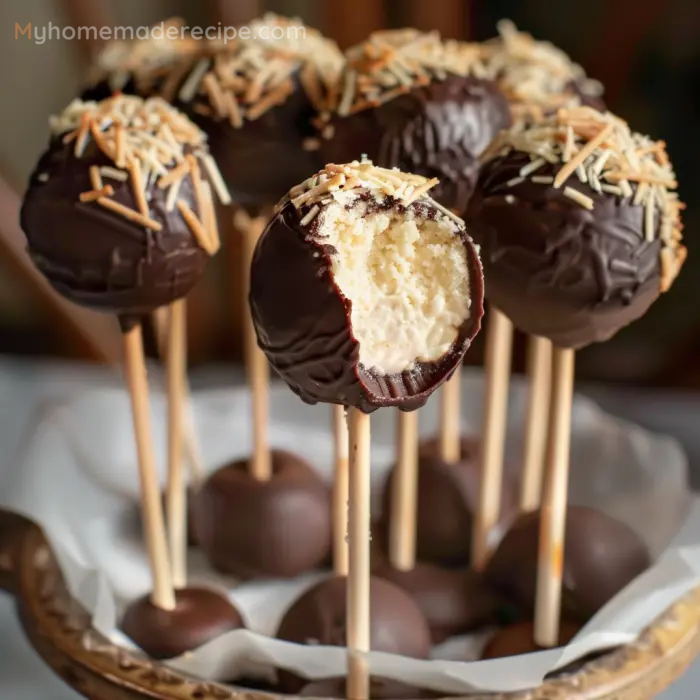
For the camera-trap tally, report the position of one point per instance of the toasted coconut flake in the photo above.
(92, 195)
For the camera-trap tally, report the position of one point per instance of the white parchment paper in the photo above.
(77, 477)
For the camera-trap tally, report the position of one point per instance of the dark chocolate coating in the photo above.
(397, 625)
(264, 529)
(437, 130)
(556, 269)
(453, 601)
(447, 499)
(303, 321)
(518, 639)
(601, 556)
(199, 616)
(587, 99)
(264, 158)
(379, 689)
(96, 257)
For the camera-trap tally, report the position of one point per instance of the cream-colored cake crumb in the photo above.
(407, 278)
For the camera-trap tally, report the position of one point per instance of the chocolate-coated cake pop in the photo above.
(319, 617)
(601, 556)
(518, 639)
(278, 528)
(536, 76)
(147, 66)
(199, 616)
(453, 601)
(379, 689)
(410, 100)
(119, 213)
(448, 493)
(364, 290)
(255, 99)
(579, 225)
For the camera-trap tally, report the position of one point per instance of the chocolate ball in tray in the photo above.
(410, 100)
(119, 217)
(601, 556)
(579, 225)
(365, 291)
(256, 99)
(518, 638)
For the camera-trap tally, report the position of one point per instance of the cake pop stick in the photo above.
(175, 495)
(162, 594)
(539, 373)
(554, 498)
(358, 608)
(499, 342)
(190, 443)
(257, 368)
(340, 492)
(449, 438)
(402, 529)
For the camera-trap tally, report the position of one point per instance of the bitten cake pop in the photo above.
(579, 225)
(352, 242)
(410, 100)
(365, 293)
(535, 76)
(120, 218)
(601, 556)
(255, 99)
(146, 67)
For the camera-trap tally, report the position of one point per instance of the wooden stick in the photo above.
(175, 494)
(539, 372)
(499, 341)
(162, 594)
(553, 512)
(404, 496)
(358, 590)
(450, 437)
(340, 492)
(190, 442)
(257, 369)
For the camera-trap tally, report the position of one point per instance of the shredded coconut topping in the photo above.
(601, 151)
(535, 76)
(393, 62)
(148, 141)
(246, 78)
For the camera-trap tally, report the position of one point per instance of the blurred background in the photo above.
(646, 53)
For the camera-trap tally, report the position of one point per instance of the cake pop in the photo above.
(601, 556)
(364, 293)
(320, 330)
(407, 99)
(447, 497)
(148, 67)
(120, 218)
(255, 99)
(319, 615)
(518, 638)
(579, 225)
(535, 76)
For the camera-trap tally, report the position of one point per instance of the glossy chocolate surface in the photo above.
(601, 556)
(303, 321)
(453, 601)
(556, 269)
(264, 529)
(97, 258)
(265, 157)
(397, 625)
(199, 616)
(438, 130)
(448, 494)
